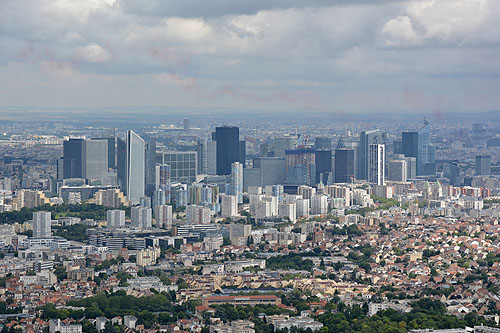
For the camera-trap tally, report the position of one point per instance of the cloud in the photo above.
(318, 54)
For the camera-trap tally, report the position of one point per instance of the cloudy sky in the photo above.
(341, 55)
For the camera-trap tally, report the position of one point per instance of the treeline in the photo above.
(290, 261)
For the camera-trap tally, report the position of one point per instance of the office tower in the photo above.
(121, 163)
(397, 170)
(344, 165)
(243, 152)
(411, 165)
(479, 134)
(319, 204)
(236, 183)
(135, 167)
(212, 158)
(228, 148)
(115, 218)
(397, 147)
(376, 165)
(150, 172)
(202, 150)
(42, 224)
(60, 168)
(163, 178)
(164, 216)
(483, 165)
(265, 171)
(111, 152)
(417, 144)
(300, 166)
(229, 205)
(323, 161)
(73, 158)
(323, 144)
(141, 217)
(284, 143)
(239, 233)
(183, 165)
(354, 145)
(185, 124)
(366, 139)
(95, 159)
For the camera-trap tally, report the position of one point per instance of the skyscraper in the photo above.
(323, 160)
(483, 165)
(150, 171)
(135, 167)
(236, 184)
(95, 159)
(72, 158)
(300, 166)
(376, 165)
(228, 148)
(323, 143)
(397, 170)
(366, 139)
(417, 144)
(42, 224)
(344, 165)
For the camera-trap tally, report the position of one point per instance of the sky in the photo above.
(326, 55)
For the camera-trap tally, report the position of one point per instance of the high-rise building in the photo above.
(323, 161)
(73, 158)
(42, 224)
(265, 171)
(135, 168)
(95, 159)
(483, 165)
(183, 165)
(163, 216)
(300, 166)
(376, 165)
(228, 148)
(319, 204)
(150, 171)
(163, 178)
(229, 204)
(239, 233)
(141, 217)
(323, 143)
(366, 139)
(185, 124)
(417, 144)
(196, 214)
(344, 165)
(115, 218)
(284, 143)
(236, 184)
(397, 170)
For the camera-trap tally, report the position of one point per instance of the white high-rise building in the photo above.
(42, 224)
(164, 216)
(376, 164)
(115, 218)
(236, 185)
(302, 207)
(288, 210)
(319, 204)
(141, 217)
(135, 167)
(229, 205)
(397, 170)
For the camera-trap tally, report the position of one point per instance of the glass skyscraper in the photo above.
(135, 167)
(228, 148)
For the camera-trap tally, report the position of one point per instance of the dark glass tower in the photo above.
(344, 165)
(73, 150)
(323, 164)
(228, 148)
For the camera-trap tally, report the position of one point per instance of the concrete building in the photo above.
(183, 165)
(319, 204)
(164, 216)
(239, 233)
(196, 214)
(141, 217)
(42, 223)
(397, 170)
(115, 218)
(229, 205)
(483, 165)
